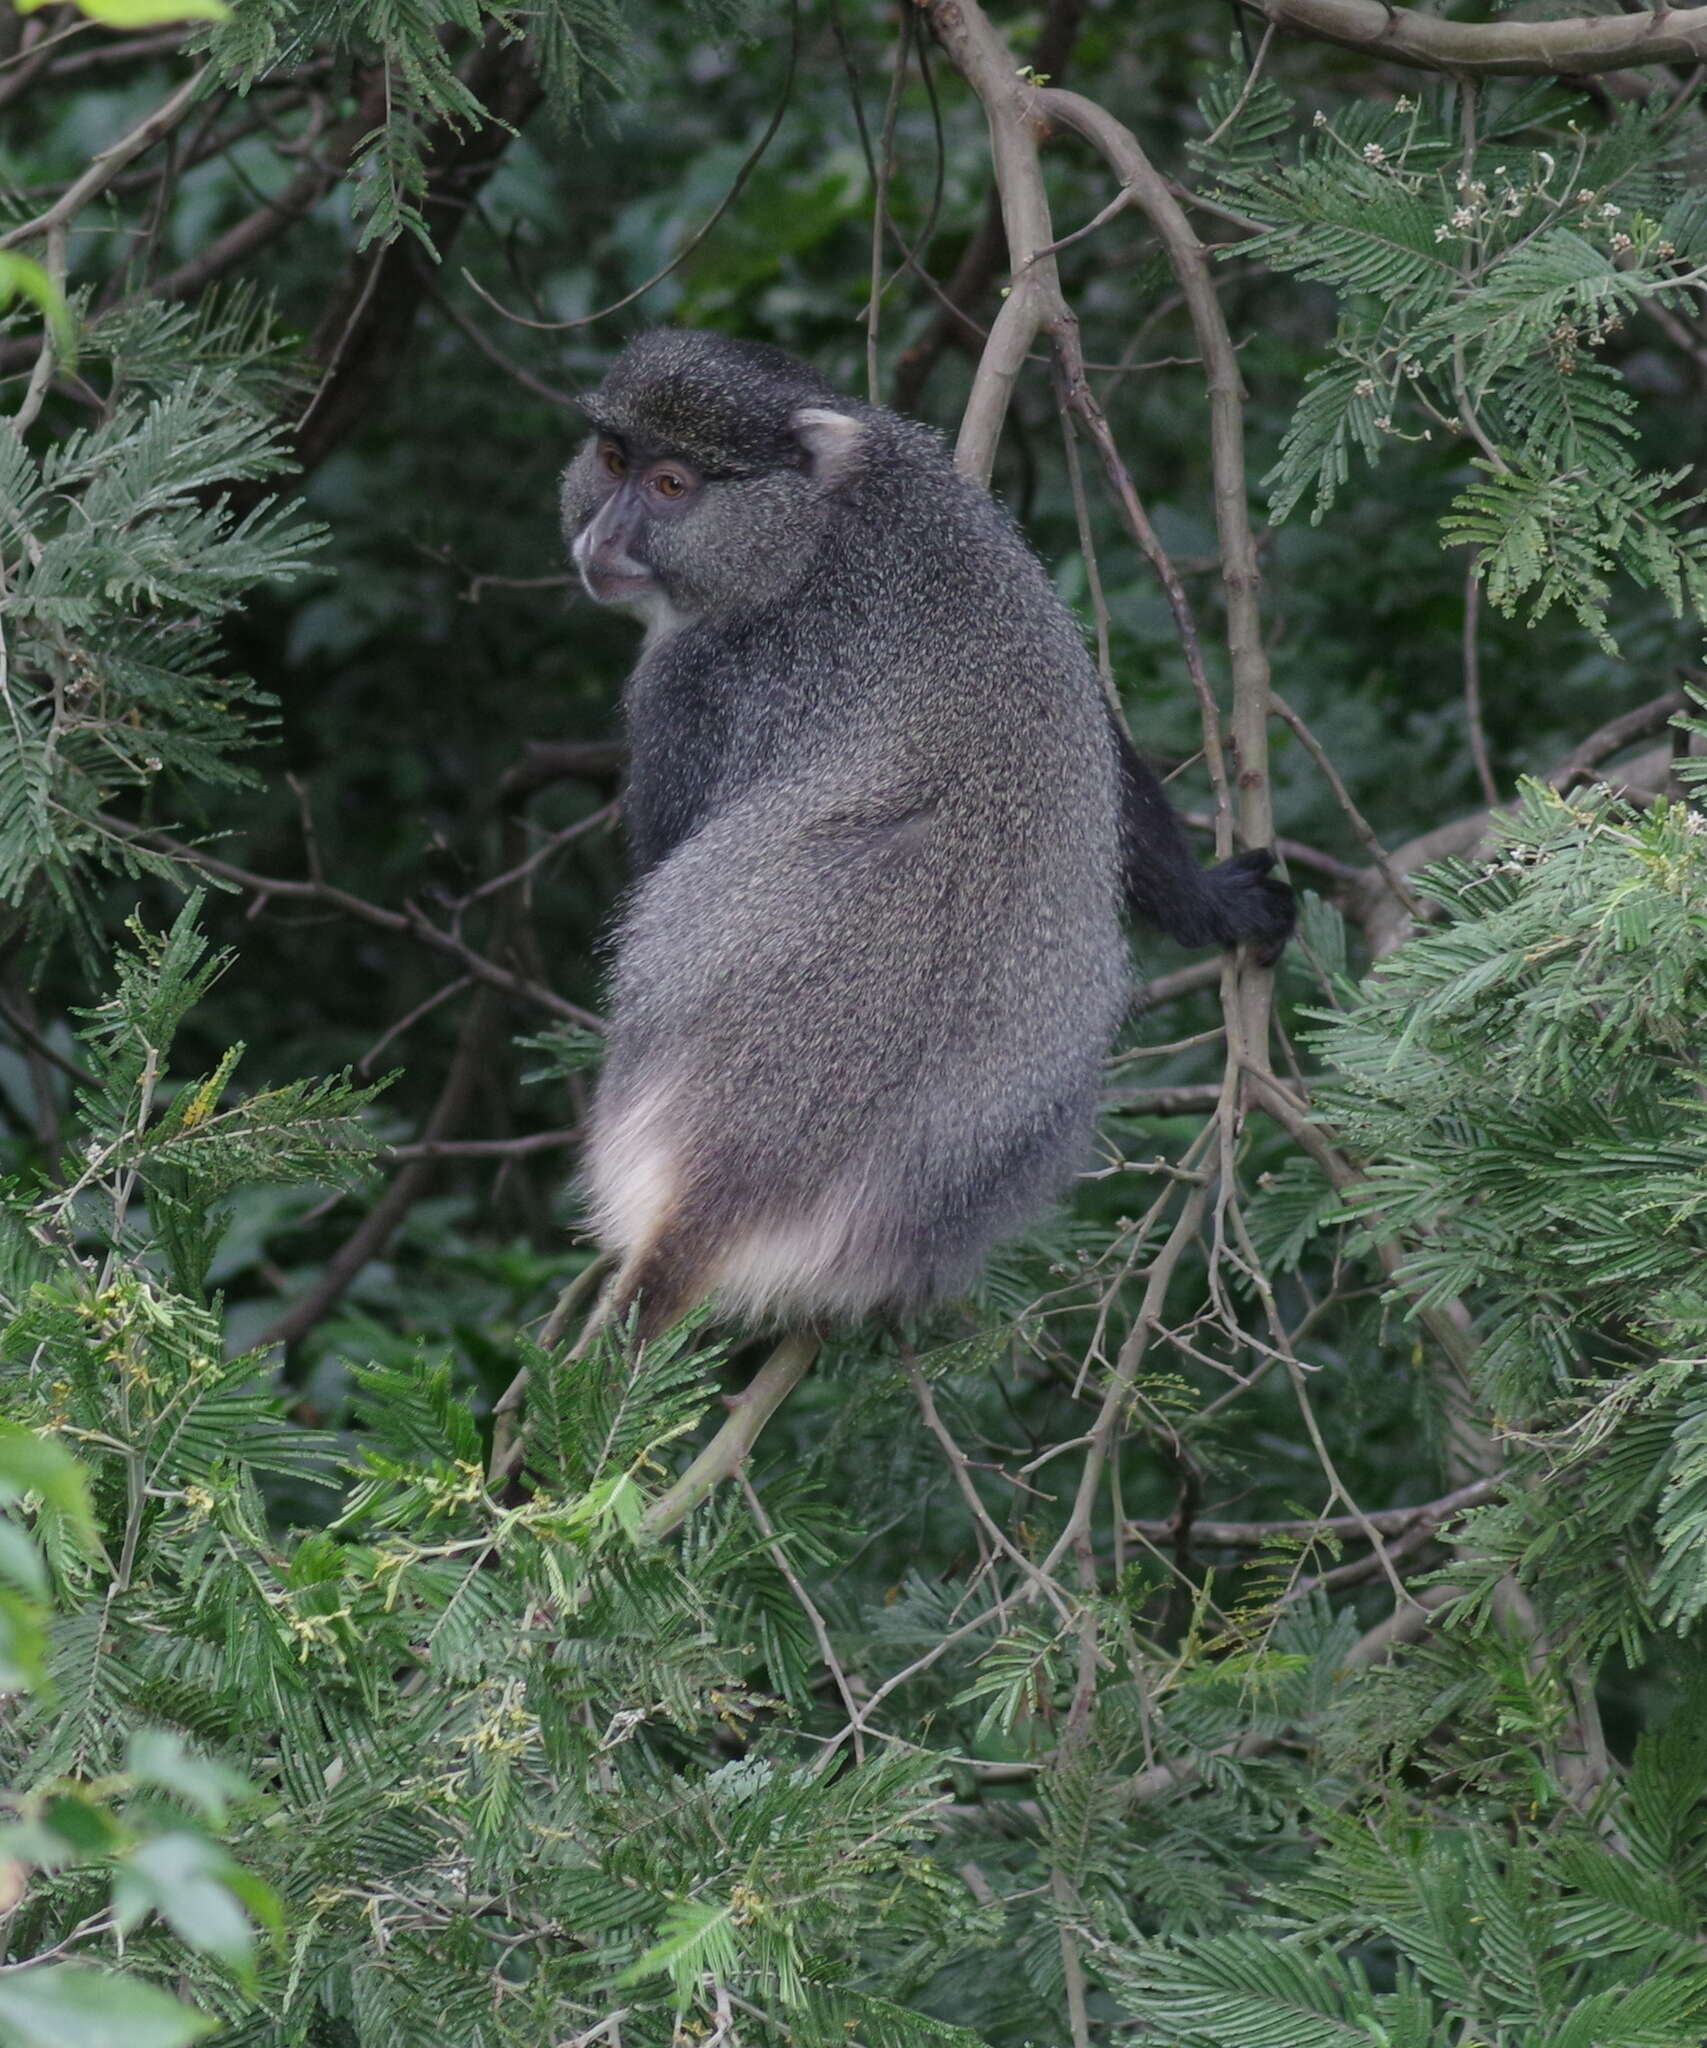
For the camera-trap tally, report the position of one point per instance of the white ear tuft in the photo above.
(832, 440)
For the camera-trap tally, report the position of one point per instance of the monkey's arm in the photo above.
(1237, 903)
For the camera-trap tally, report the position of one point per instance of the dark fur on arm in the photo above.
(1237, 903)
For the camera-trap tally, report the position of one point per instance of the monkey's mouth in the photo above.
(616, 586)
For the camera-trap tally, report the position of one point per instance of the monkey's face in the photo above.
(628, 497)
(649, 528)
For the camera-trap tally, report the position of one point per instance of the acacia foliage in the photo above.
(481, 1768)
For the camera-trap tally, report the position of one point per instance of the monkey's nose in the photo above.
(608, 570)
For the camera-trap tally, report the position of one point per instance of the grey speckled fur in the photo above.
(872, 963)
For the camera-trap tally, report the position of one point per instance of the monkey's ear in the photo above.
(834, 443)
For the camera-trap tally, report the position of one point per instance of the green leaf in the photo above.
(30, 1463)
(23, 1643)
(139, 13)
(21, 277)
(81, 1823)
(20, 1561)
(161, 1757)
(1246, 1991)
(187, 1880)
(1336, 414)
(65, 2005)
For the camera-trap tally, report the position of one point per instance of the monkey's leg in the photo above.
(727, 1451)
(667, 1277)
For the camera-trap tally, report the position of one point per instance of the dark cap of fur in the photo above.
(723, 404)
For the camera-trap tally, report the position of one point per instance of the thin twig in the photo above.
(1088, 554)
(484, 1148)
(518, 373)
(1354, 817)
(1183, 981)
(424, 1008)
(374, 1231)
(960, 1466)
(803, 1599)
(1063, 331)
(47, 352)
(507, 1439)
(35, 1043)
(553, 844)
(1388, 1521)
(1072, 1968)
(884, 169)
(1473, 683)
(410, 924)
(748, 166)
(1250, 85)
(1131, 1357)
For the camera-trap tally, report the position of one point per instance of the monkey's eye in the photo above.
(667, 484)
(614, 461)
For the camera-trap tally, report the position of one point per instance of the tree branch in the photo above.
(1385, 1521)
(270, 219)
(1583, 43)
(1385, 920)
(981, 261)
(544, 762)
(1616, 733)
(483, 1148)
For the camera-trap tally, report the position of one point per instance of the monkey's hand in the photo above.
(1251, 907)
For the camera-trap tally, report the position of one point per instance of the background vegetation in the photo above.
(1271, 1614)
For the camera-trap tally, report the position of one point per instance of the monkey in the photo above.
(883, 824)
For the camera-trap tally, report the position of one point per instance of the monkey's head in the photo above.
(711, 474)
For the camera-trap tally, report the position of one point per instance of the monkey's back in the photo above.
(866, 984)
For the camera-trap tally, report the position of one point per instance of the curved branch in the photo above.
(1541, 49)
(1189, 260)
(749, 164)
(106, 164)
(1370, 903)
(1247, 986)
(1010, 103)
(1017, 111)
(1580, 763)
(272, 217)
